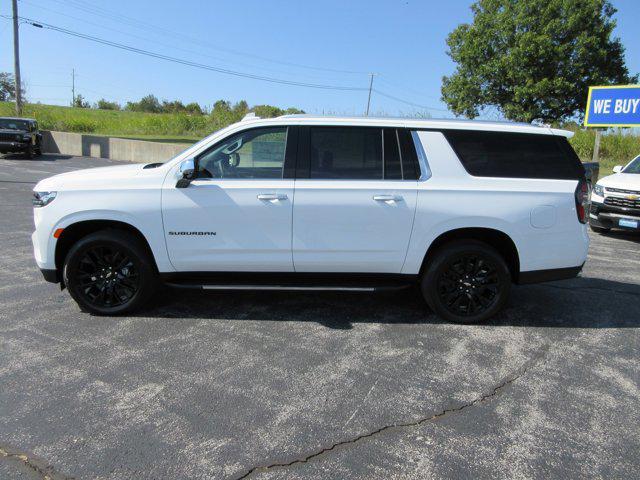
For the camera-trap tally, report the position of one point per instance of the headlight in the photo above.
(598, 190)
(42, 199)
(26, 138)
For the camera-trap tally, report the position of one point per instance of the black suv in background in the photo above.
(20, 135)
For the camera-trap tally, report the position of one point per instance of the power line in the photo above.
(182, 61)
(104, 13)
(146, 39)
(408, 102)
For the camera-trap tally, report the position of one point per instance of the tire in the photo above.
(38, 151)
(466, 281)
(599, 229)
(28, 153)
(110, 273)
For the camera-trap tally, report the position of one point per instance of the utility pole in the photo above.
(369, 99)
(73, 87)
(16, 59)
(596, 147)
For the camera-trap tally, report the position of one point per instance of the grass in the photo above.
(154, 126)
(617, 147)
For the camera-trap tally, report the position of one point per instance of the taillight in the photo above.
(582, 200)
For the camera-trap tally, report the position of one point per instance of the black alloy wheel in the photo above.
(466, 281)
(107, 277)
(110, 272)
(468, 285)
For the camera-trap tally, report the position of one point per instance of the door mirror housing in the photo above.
(186, 173)
(617, 169)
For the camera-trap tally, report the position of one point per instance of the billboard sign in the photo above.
(617, 106)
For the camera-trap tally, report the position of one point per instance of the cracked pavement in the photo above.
(333, 385)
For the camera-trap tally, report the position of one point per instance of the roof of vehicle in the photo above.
(18, 118)
(417, 123)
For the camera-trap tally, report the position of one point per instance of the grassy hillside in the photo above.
(616, 148)
(112, 122)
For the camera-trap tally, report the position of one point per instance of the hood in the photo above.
(626, 181)
(90, 177)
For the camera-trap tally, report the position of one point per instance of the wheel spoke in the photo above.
(100, 279)
(469, 285)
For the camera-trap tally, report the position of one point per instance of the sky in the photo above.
(326, 42)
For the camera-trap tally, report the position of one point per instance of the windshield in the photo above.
(634, 166)
(11, 124)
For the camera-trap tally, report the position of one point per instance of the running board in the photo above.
(315, 288)
(289, 281)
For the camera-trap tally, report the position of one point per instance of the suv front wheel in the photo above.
(110, 273)
(466, 281)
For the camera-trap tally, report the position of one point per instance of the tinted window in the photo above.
(257, 153)
(392, 165)
(410, 167)
(346, 153)
(634, 166)
(515, 155)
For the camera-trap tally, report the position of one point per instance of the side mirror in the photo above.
(187, 173)
(617, 169)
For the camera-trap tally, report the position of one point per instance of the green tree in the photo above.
(533, 59)
(8, 87)
(193, 108)
(103, 104)
(149, 104)
(80, 102)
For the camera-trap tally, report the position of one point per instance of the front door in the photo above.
(354, 211)
(236, 215)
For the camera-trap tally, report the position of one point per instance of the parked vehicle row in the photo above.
(462, 209)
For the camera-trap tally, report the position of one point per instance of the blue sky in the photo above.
(402, 41)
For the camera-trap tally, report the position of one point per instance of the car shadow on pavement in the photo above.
(577, 303)
(632, 236)
(45, 157)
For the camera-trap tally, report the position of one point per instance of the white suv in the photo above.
(462, 209)
(615, 199)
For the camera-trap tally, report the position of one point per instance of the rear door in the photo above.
(355, 198)
(236, 215)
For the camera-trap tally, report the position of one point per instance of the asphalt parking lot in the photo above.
(335, 385)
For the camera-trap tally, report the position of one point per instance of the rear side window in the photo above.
(392, 162)
(515, 155)
(346, 153)
(356, 153)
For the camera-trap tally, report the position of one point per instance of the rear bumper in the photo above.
(6, 147)
(539, 276)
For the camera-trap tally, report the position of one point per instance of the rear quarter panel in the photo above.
(538, 215)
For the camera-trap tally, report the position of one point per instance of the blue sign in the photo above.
(613, 106)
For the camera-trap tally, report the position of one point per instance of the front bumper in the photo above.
(608, 216)
(6, 147)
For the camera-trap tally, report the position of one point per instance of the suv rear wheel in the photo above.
(110, 273)
(466, 281)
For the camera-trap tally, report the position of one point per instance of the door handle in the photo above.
(387, 198)
(272, 196)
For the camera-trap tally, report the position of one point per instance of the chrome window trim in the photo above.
(425, 171)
